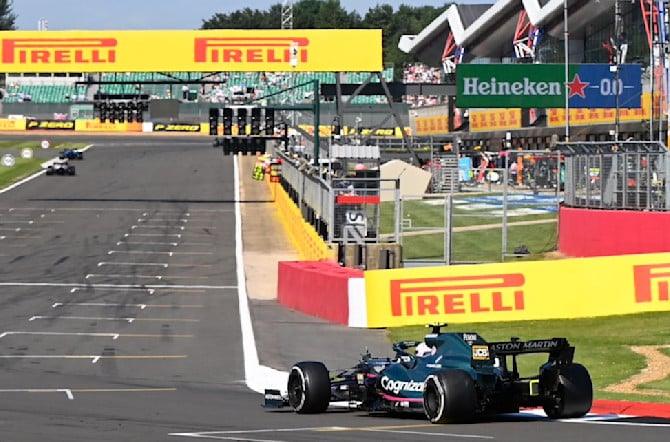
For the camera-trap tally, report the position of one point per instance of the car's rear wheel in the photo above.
(574, 395)
(449, 396)
(309, 387)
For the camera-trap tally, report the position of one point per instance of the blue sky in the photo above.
(158, 14)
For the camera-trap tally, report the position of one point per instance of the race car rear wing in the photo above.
(559, 349)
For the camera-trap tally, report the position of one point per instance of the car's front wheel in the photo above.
(449, 396)
(309, 387)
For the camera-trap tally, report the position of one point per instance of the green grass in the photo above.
(23, 168)
(423, 242)
(602, 345)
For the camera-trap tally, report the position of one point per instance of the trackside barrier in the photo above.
(304, 238)
(588, 232)
(537, 290)
(323, 289)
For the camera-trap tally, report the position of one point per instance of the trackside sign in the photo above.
(544, 86)
(518, 291)
(304, 50)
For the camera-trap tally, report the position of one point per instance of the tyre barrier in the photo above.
(323, 289)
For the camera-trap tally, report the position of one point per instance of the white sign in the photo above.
(26, 153)
(8, 160)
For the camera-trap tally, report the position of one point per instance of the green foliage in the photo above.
(7, 16)
(601, 344)
(329, 14)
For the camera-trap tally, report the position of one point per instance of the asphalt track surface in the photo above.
(121, 321)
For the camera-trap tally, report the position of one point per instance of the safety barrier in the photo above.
(324, 290)
(590, 232)
(305, 240)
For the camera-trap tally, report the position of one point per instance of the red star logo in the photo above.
(577, 87)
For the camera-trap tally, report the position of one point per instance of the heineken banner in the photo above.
(542, 85)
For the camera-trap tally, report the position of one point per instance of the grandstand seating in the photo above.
(63, 90)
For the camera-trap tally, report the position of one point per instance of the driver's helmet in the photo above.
(424, 349)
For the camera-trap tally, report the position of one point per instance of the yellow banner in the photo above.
(435, 125)
(249, 50)
(326, 131)
(12, 124)
(98, 126)
(495, 119)
(578, 117)
(536, 290)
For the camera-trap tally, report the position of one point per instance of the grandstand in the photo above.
(532, 31)
(220, 87)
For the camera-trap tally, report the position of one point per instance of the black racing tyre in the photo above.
(574, 396)
(449, 396)
(309, 387)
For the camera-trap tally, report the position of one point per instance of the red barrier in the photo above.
(316, 288)
(592, 232)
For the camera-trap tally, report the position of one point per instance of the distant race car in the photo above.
(71, 154)
(458, 378)
(60, 167)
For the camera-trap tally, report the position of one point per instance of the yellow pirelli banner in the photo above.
(10, 124)
(107, 126)
(570, 288)
(495, 119)
(241, 50)
(582, 117)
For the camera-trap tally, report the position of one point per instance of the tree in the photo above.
(7, 17)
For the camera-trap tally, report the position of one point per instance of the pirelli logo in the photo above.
(50, 125)
(59, 50)
(651, 282)
(279, 50)
(164, 127)
(457, 295)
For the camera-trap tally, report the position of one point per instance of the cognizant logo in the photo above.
(59, 51)
(651, 282)
(457, 294)
(397, 386)
(253, 50)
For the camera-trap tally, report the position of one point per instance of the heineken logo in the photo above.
(593, 86)
(525, 86)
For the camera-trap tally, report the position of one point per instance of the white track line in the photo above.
(258, 377)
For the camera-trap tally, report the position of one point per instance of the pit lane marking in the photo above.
(147, 243)
(150, 252)
(69, 392)
(94, 358)
(176, 235)
(156, 226)
(158, 277)
(124, 319)
(107, 304)
(164, 220)
(151, 264)
(78, 286)
(114, 336)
